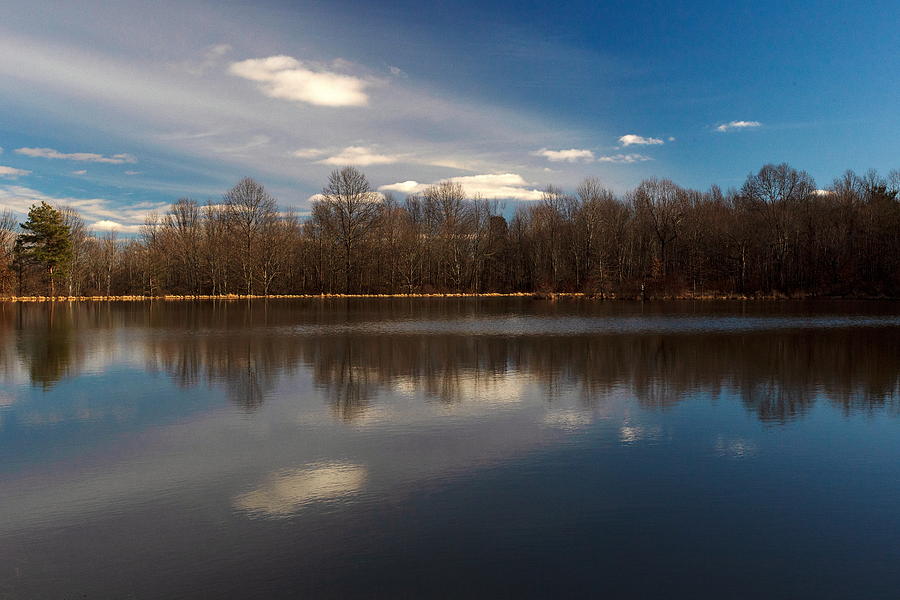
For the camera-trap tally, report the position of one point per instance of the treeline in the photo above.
(777, 234)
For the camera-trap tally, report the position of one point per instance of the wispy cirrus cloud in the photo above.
(491, 186)
(586, 156)
(98, 213)
(623, 158)
(210, 116)
(115, 159)
(571, 155)
(732, 125)
(361, 156)
(209, 60)
(309, 152)
(12, 172)
(287, 78)
(631, 139)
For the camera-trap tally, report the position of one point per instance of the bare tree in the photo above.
(152, 239)
(279, 235)
(109, 251)
(773, 193)
(216, 250)
(351, 208)
(183, 224)
(662, 206)
(250, 210)
(8, 226)
(75, 270)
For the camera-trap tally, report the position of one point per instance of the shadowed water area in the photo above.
(449, 447)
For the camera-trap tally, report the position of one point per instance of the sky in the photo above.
(120, 108)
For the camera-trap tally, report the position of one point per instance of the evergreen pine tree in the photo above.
(46, 242)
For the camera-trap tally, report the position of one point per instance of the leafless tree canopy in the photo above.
(777, 233)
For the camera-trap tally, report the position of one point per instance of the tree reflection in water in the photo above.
(248, 348)
(45, 343)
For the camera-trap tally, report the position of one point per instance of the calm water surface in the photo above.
(450, 447)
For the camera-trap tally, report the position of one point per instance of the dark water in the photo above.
(450, 447)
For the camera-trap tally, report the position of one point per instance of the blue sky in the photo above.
(120, 108)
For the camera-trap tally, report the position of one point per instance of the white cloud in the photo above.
(623, 158)
(451, 163)
(98, 211)
(637, 140)
(287, 491)
(397, 72)
(737, 125)
(79, 172)
(308, 153)
(239, 148)
(287, 78)
(12, 172)
(209, 113)
(361, 156)
(107, 225)
(132, 172)
(571, 155)
(372, 197)
(491, 186)
(115, 159)
(404, 187)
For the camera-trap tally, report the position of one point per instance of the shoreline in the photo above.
(533, 295)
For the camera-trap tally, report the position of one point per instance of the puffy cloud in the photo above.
(12, 172)
(571, 155)
(623, 158)
(107, 225)
(491, 186)
(737, 125)
(115, 159)
(287, 78)
(637, 140)
(405, 187)
(361, 156)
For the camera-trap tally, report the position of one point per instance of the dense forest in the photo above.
(777, 234)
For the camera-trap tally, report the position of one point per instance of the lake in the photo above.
(457, 447)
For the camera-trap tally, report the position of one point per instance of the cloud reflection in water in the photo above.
(287, 491)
